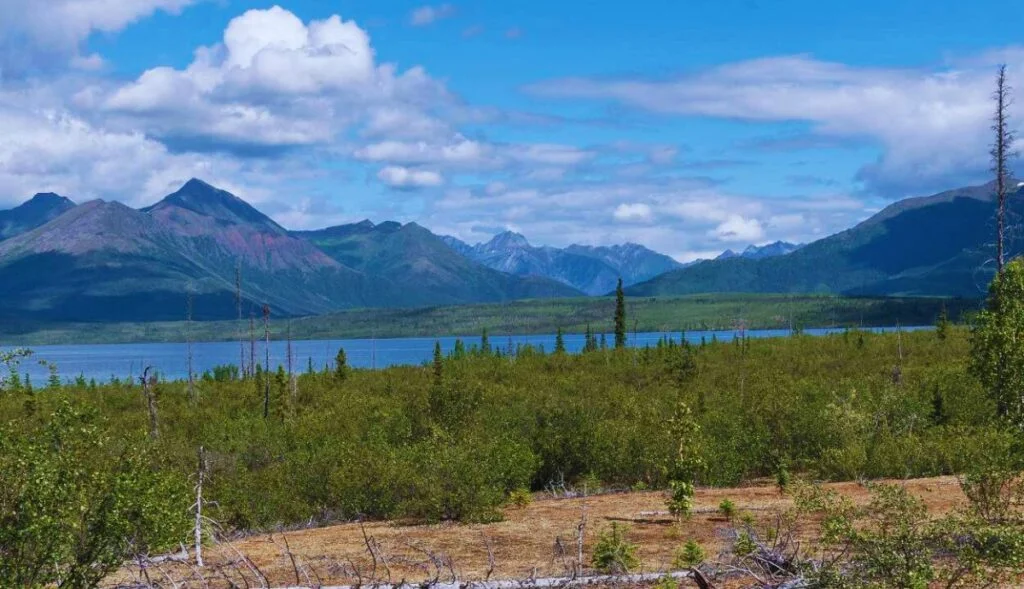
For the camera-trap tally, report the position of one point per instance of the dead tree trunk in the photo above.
(1000, 156)
(292, 382)
(188, 346)
(147, 391)
(200, 476)
(252, 344)
(266, 369)
(238, 305)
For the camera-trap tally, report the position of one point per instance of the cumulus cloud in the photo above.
(425, 15)
(53, 150)
(274, 81)
(633, 212)
(35, 32)
(550, 154)
(737, 229)
(459, 152)
(931, 124)
(407, 178)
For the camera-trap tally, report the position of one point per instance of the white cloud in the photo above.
(738, 230)
(52, 150)
(55, 29)
(459, 152)
(633, 212)
(88, 63)
(931, 124)
(275, 81)
(685, 218)
(425, 15)
(550, 154)
(400, 177)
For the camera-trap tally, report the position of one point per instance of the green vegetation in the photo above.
(727, 508)
(695, 312)
(454, 438)
(998, 349)
(613, 552)
(620, 316)
(468, 433)
(689, 555)
(891, 542)
(76, 501)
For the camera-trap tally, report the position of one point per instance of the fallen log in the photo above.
(517, 583)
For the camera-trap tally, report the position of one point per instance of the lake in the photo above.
(105, 361)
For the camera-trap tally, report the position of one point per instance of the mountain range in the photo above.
(754, 252)
(936, 245)
(592, 270)
(104, 261)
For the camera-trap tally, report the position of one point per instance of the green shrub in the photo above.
(680, 501)
(727, 508)
(689, 555)
(520, 497)
(782, 476)
(613, 553)
(72, 512)
(744, 544)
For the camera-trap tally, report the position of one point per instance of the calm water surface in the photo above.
(103, 362)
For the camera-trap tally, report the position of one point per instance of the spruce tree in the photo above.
(341, 365)
(438, 363)
(620, 316)
(485, 343)
(942, 325)
(559, 342)
(280, 406)
(460, 350)
(589, 343)
(604, 342)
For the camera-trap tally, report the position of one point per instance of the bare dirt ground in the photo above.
(538, 540)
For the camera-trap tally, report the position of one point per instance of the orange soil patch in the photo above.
(524, 545)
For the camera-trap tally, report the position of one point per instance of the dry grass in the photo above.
(523, 545)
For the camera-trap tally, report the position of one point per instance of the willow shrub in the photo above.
(454, 441)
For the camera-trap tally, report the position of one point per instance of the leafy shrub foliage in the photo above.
(613, 552)
(452, 439)
(75, 502)
(689, 555)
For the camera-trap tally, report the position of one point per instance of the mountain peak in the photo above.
(35, 212)
(197, 184)
(756, 252)
(205, 199)
(507, 240)
(49, 199)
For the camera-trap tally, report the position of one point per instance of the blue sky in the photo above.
(687, 126)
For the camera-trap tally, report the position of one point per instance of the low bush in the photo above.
(613, 553)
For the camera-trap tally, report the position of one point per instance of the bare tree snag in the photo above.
(252, 344)
(266, 369)
(238, 305)
(200, 475)
(147, 391)
(1000, 156)
(188, 345)
(293, 385)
